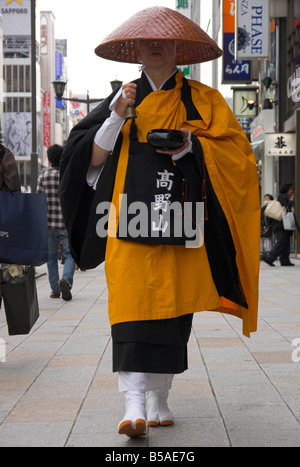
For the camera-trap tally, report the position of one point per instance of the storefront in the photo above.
(291, 126)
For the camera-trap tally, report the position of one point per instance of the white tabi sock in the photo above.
(134, 421)
(158, 412)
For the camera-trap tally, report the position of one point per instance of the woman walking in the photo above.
(282, 247)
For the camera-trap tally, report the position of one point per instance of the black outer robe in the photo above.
(147, 346)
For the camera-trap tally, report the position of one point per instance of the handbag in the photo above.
(274, 210)
(20, 303)
(266, 231)
(288, 220)
(155, 208)
(23, 228)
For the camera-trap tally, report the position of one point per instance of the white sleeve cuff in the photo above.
(189, 148)
(112, 105)
(107, 135)
(93, 175)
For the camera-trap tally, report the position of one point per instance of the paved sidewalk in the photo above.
(57, 388)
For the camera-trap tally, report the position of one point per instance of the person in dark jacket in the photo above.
(266, 226)
(281, 249)
(48, 182)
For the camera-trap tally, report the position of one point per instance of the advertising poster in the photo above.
(234, 71)
(252, 28)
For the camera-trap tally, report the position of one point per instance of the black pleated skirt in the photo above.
(158, 346)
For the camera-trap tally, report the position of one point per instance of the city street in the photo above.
(57, 388)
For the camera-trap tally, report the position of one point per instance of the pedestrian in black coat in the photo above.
(281, 248)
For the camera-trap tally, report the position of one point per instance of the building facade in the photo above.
(16, 83)
(275, 131)
(53, 58)
(264, 83)
(17, 96)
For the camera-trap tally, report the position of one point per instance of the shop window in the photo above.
(22, 104)
(9, 104)
(21, 79)
(15, 104)
(8, 79)
(27, 79)
(27, 104)
(15, 79)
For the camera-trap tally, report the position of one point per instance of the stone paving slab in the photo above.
(57, 387)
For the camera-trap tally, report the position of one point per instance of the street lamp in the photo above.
(115, 84)
(59, 88)
(250, 103)
(268, 104)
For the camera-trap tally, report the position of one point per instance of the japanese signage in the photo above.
(280, 144)
(47, 119)
(183, 5)
(44, 35)
(185, 69)
(16, 17)
(234, 71)
(162, 200)
(252, 28)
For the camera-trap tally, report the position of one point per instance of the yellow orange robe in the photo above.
(147, 282)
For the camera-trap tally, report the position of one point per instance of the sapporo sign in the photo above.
(11, 7)
(15, 16)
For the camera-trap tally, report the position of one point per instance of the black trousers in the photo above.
(158, 346)
(282, 247)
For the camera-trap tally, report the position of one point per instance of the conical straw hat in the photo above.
(193, 44)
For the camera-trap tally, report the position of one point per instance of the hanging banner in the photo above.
(252, 29)
(47, 120)
(44, 35)
(234, 71)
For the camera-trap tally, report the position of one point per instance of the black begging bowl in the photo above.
(166, 139)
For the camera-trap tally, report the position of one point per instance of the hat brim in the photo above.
(193, 45)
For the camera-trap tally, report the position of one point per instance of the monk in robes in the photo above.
(157, 282)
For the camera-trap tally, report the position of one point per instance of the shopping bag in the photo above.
(289, 221)
(23, 228)
(20, 303)
(274, 210)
